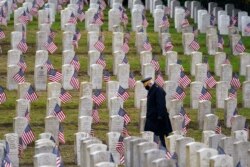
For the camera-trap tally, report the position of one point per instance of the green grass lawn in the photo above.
(38, 108)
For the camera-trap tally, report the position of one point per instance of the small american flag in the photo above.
(186, 117)
(74, 81)
(124, 18)
(64, 96)
(22, 63)
(144, 21)
(99, 45)
(54, 75)
(235, 82)
(59, 113)
(184, 23)
(98, 97)
(2, 35)
(22, 45)
(179, 93)
(61, 134)
(232, 93)
(120, 147)
(205, 95)
(52, 34)
(165, 22)
(40, 3)
(227, 61)
(210, 81)
(127, 35)
(56, 151)
(78, 34)
(233, 21)
(101, 61)
(125, 130)
(125, 60)
(184, 81)
(184, 127)
(80, 14)
(19, 76)
(125, 47)
(34, 9)
(27, 114)
(218, 128)
(27, 136)
(48, 65)
(239, 47)
(31, 94)
(159, 79)
(122, 93)
(24, 18)
(220, 42)
(106, 76)
(212, 20)
(194, 45)
(155, 63)
(131, 80)
(187, 12)
(147, 46)
(168, 46)
(168, 154)
(97, 19)
(6, 161)
(247, 29)
(75, 41)
(21, 146)
(75, 62)
(124, 114)
(14, 5)
(220, 150)
(50, 45)
(2, 95)
(72, 19)
(95, 115)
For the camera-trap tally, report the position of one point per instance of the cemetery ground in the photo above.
(38, 108)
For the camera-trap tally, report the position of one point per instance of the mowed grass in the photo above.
(38, 108)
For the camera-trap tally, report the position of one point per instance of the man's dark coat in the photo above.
(157, 117)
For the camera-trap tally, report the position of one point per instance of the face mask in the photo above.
(147, 87)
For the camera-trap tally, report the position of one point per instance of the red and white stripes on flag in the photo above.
(95, 115)
(31, 94)
(2, 95)
(131, 80)
(50, 45)
(2, 35)
(122, 93)
(147, 46)
(99, 45)
(168, 46)
(210, 81)
(75, 62)
(19, 76)
(155, 63)
(54, 75)
(125, 47)
(179, 93)
(27, 136)
(64, 95)
(194, 45)
(101, 61)
(235, 82)
(24, 18)
(239, 47)
(59, 113)
(61, 134)
(22, 45)
(72, 19)
(205, 95)
(74, 81)
(159, 79)
(184, 81)
(218, 128)
(98, 97)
